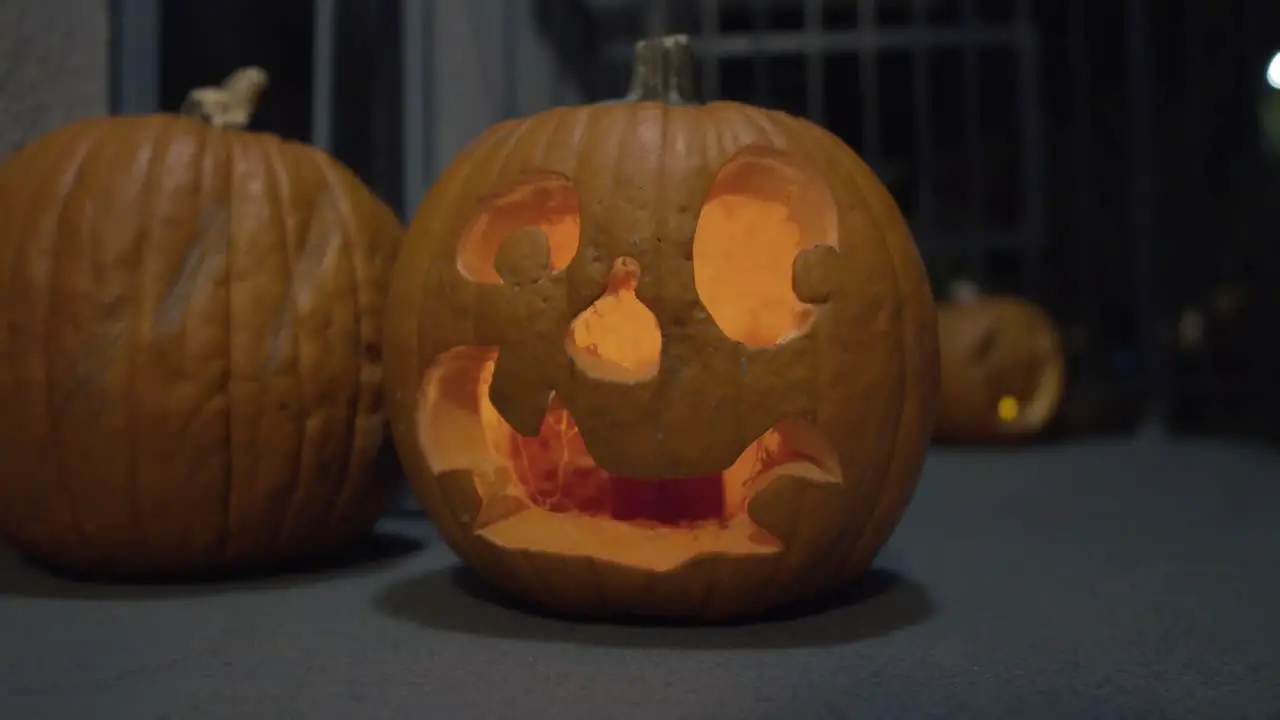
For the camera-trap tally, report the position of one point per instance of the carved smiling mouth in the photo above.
(557, 473)
(527, 482)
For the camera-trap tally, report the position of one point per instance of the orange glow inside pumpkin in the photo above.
(754, 222)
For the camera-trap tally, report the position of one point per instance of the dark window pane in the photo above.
(367, 133)
(203, 42)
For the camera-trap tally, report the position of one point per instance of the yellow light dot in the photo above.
(1007, 408)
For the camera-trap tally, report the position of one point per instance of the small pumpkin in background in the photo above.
(191, 342)
(650, 357)
(1002, 367)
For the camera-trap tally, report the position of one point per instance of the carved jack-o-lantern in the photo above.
(1002, 368)
(650, 357)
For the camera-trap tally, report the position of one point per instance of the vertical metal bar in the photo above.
(815, 59)
(1253, 31)
(975, 157)
(1031, 115)
(657, 17)
(1208, 382)
(417, 106)
(1262, 371)
(135, 72)
(510, 49)
(1142, 206)
(323, 40)
(869, 82)
(709, 22)
(417, 126)
(762, 80)
(922, 92)
(1083, 207)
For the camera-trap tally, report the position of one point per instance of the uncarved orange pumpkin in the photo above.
(1002, 369)
(191, 343)
(661, 358)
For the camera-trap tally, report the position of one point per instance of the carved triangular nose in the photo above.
(617, 339)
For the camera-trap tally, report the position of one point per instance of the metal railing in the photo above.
(1062, 238)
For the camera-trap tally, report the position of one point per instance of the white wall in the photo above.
(53, 66)
(470, 71)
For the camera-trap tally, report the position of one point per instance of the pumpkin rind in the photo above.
(191, 342)
(994, 348)
(641, 170)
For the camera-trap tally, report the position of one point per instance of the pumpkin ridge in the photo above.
(31, 177)
(352, 466)
(7, 373)
(159, 150)
(793, 562)
(713, 146)
(580, 125)
(585, 124)
(236, 475)
(486, 163)
(224, 184)
(364, 405)
(325, 197)
(275, 184)
(443, 194)
(796, 559)
(856, 537)
(490, 168)
(58, 474)
(855, 175)
(899, 253)
(544, 152)
(851, 535)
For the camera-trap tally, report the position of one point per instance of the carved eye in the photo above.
(762, 251)
(544, 202)
(985, 342)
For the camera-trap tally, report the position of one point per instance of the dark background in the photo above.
(1101, 156)
(1105, 159)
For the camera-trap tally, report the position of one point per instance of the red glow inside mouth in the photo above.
(558, 474)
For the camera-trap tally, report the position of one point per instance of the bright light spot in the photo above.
(1273, 72)
(1007, 408)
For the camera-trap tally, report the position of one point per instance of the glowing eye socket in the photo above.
(761, 213)
(545, 201)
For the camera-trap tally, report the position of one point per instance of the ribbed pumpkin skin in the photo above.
(987, 343)
(868, 372)
(190, 348)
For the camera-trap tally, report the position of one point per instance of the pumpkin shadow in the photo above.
(23, 576)
(456, 599)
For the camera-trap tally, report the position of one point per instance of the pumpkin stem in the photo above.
(963, 290)
(229, 105)
(662, 71)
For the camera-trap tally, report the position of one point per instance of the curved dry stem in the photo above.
(662, 71)
(231, 104)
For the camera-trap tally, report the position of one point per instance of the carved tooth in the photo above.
(518, 393)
